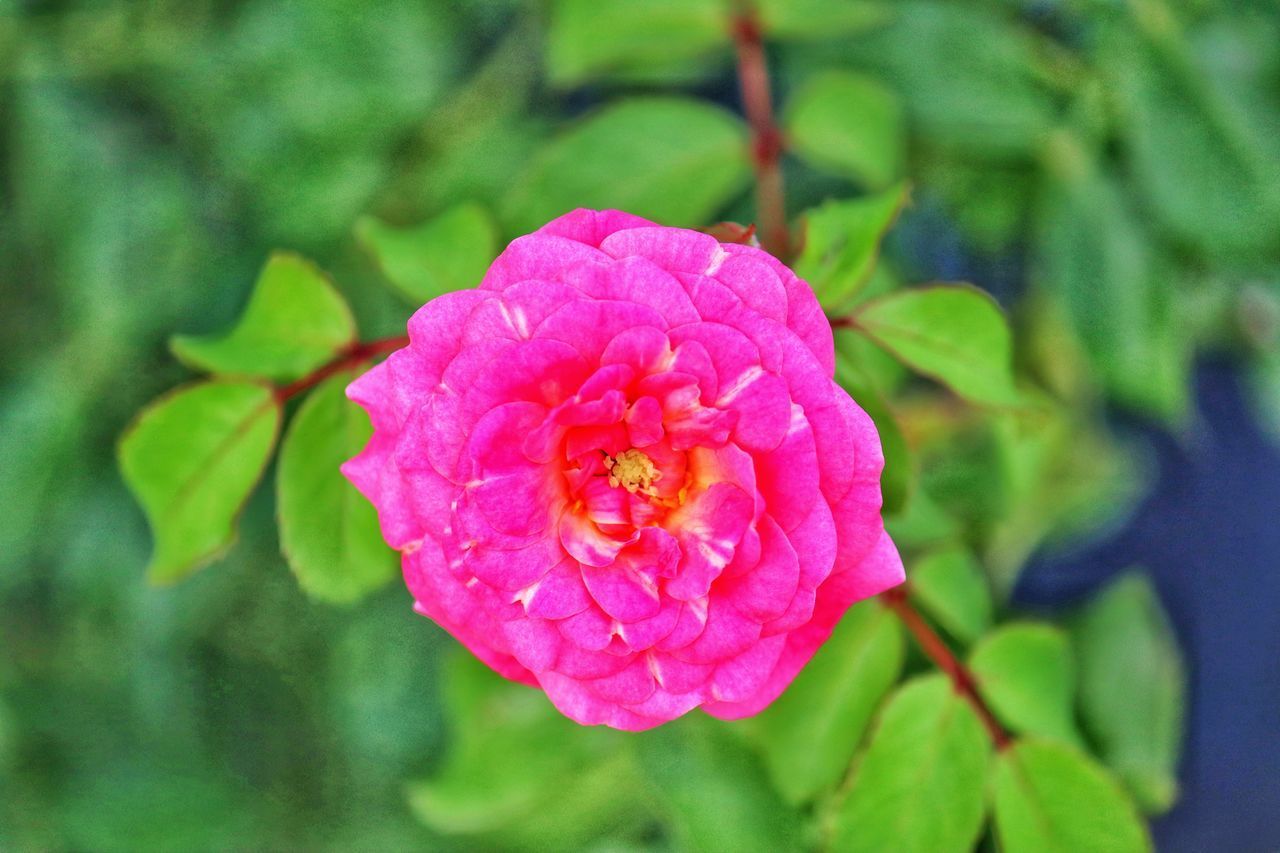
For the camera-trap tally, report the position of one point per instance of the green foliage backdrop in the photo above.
(159, 159)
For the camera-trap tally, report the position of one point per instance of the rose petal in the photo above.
(708, 528)
(559, 593)
(764, 592)
(591, 226)
(537, 256)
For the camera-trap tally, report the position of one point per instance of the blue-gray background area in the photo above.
(1209, 536)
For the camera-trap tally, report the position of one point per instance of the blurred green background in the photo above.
(1107, 170)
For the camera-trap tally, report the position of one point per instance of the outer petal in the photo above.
(674, 249)
(461, 611)
(592, 226)
(578, 703)
(537, 256)
(881, 570)
(804, 314)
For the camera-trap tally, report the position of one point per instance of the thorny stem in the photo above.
(937, 651)
(766, 138)
(349, 357)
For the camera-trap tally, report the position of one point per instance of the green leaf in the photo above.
(819, 19)
(955, 334)
(519, 774)
(328, 531)
(1206, 167)
(1264, 383)
(1027, 674)
(450, 252)
(1060, 475)
(849, 124)
(989, 201)
(715, 790)
(662, 40)
(922, 523)
(595, 38)
(952, 588)
(1132, 688)
(191, 458)
(295, 321)
(674, 160)
(1092, 253)
(830, 703)
(919, 786)
(989, 103)
(842, 243)
(1049, 798)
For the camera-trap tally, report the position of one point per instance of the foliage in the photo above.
(1109, 147)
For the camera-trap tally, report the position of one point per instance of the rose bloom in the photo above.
(620, 470)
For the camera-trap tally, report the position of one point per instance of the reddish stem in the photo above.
(766, 141)
(348, 358)
(938, 652)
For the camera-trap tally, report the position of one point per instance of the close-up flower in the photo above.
(620, 470)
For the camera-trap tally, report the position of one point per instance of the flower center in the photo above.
(632, 470)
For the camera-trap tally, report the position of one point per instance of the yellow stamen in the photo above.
(632, 470)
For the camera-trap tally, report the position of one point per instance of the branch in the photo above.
(766, 141)
(937, 651)
(349, 357)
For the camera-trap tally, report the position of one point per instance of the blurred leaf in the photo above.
(850, 124)
(1204, 170)
(1264, 381)
(819, 19)
(1027, 674)
(1051, 798)
(842, 243)
(1062, 476)
(1052, 351)
(717, 793)
(328, 532)
(897, 479)
(919, 786)
(830, 703)
(988, 103)
(191, 458)
(989, 201)
(295, 321)
(382, 700)
(478, 139)
(336, 91)
(669, 40)
(182, 811)
(922, 523)
(1132, 688)
(955, 334)
(450, 252)
(591, 38)
(952, 588)
(518, 774)
(1092, 254)
(674, 160)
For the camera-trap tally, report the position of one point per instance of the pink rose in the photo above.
(620, 470)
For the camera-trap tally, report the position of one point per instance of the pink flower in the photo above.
(620, 470)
